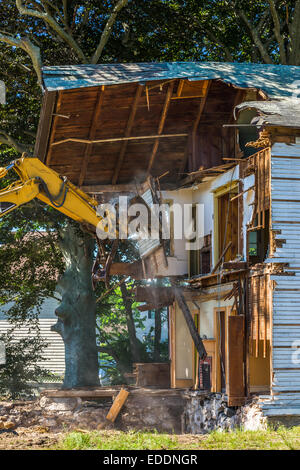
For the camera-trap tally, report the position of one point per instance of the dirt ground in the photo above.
(24, 439)
(40, 439)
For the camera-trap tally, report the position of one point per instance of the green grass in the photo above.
(115, 440)
(271, 439)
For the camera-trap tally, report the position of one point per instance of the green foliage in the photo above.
(21, 370)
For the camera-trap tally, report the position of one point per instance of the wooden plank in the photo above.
(128, 269)
(92, 133)
(127, 132)
(154, 295)
(118, 139)
(44, 128)
(117, 405)
(80, 393)
(54, 126)
(235, 384)
(221, 257)
(152, 374)
(161, 125)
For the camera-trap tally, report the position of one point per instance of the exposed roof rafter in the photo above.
(127, 132)
(161, 125)
(92, 133)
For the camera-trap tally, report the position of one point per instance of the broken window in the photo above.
(258, 242)
(199, 260)
(247, 132)
(227, 223)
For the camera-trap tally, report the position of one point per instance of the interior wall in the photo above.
(203, 193)
(259, 369)
(184, 355)
(183, 351)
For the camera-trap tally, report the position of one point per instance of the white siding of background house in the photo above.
(54, 353)
(148, 324)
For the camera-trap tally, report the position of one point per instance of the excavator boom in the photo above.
(39, 181)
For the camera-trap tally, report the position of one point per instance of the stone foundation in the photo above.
(169, 411)
(205, 412)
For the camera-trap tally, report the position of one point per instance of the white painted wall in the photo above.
(203, 193)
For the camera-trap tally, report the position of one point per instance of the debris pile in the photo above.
(145, 409)
(52, 415)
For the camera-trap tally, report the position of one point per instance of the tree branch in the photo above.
(295, 36)
(255, 36)
(277, 31)
(107, 30)
(27, 46)
(48, 19)
(215, 39)
(11, 142)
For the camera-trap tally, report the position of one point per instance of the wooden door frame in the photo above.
(217, 194)
(217, 369)
(180, 383)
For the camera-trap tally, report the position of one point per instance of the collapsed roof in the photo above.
(109, 127)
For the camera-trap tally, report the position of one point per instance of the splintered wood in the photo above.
(260, 165)
(260, 308)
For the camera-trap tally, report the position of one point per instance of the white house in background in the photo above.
(149, 323)
(54, 354)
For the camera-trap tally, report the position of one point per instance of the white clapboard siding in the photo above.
(54, 354)
(285, 212)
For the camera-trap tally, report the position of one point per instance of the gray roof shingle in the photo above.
(284, 113)
(277, 81)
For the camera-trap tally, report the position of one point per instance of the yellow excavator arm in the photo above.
(37, 180)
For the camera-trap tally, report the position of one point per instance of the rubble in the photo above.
(193, 412)
(209, 412)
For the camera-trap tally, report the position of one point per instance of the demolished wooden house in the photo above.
(223, 135)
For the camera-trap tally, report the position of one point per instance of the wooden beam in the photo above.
(158, 295)
(133, 270)
(83, 393)
(127, 132)
(118, 139)
(161, 125)
(92, 133)
(190, 322)
(221, 257)
(54, 125)
(44, 127)
(110, 188)
(117, 405)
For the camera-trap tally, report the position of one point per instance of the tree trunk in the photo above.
(77, 312)
(134, 343)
